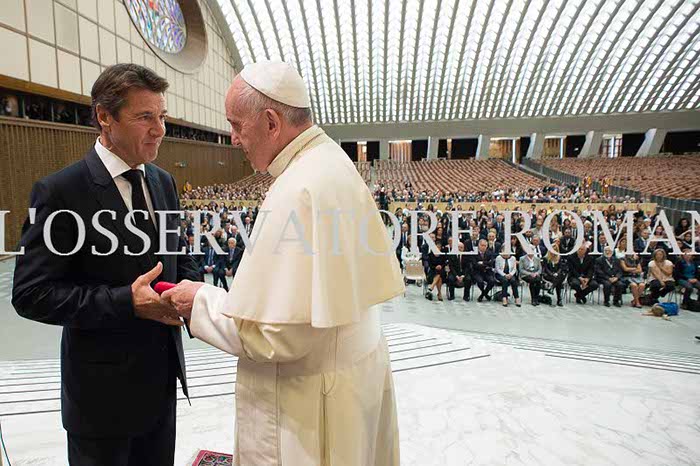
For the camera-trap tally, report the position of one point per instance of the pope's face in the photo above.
(248, 129)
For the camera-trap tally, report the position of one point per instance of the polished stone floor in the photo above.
(476, 384)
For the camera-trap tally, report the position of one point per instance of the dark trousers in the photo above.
(659, 289)
(220, 276)
(616, 288)
(688, 289)
(557, 283)
(513, 283)
(485, 282)
(452, 284)
(535, 284)
(575, 285)
(154, 448)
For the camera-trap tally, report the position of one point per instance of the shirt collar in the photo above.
(112, 162)
(281, 162)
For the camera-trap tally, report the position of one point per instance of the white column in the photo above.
(536, 147)
(562, 146)
(383, 149)
(482, 150)
(591, 147)
(653, 140)
(433, 147)
(514, 157)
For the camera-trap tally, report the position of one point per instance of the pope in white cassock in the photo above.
(314, 383)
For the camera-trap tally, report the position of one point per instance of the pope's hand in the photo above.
(182, 296)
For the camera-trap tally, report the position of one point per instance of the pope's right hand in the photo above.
(147, 303)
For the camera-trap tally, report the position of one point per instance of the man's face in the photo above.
(482, 246)
(250, 131)
(137, 133)
(231, 243)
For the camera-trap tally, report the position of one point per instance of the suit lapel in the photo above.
(109, 197)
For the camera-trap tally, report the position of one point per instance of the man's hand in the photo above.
(147, 303)
(182, 296)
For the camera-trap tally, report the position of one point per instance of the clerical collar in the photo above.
(281, 162)
(112, 162)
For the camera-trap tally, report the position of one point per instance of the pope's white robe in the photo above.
(314, 384)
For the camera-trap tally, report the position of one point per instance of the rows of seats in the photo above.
(676, 176)
(260, 182)
(365, 169)
(454, 175)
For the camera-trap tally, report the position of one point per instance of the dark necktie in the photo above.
(138, 202)
(506, 268)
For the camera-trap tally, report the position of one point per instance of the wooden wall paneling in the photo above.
(31, 150)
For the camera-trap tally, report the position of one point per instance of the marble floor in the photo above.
(476, 384)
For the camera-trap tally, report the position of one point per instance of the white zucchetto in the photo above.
(278, 81)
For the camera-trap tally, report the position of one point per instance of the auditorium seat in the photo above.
(662, 175)
(454, 175)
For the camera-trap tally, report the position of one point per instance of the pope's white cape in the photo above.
(314, 384)
(279, 282)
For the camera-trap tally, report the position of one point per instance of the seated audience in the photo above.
(687, 273)
(507, 274)
(530, 269)
(482, 270)
(436, 272)
(234, 255)
(458, 274)
(214, 264)
(633, 276)
(554, 271)
(660, 275)
(581, 271)
(609, 274)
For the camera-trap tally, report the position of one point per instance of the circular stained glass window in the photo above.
(161, 23)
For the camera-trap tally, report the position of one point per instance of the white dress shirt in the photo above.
(116, 166)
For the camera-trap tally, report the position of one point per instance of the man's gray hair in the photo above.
(255, 101)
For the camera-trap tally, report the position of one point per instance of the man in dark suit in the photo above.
(234, 255)
(581, 274)
(609, 274)
(403, 241)
(567, 242)
(214, 264)
(121, 349)
(458, 274)
(482, 267)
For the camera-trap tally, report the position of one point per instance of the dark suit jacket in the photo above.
(487, 260)
(605, 270)
(578, 268)
(459, 265)
(233, 262)
(116, 369)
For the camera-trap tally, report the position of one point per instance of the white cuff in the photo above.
(209, 324)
